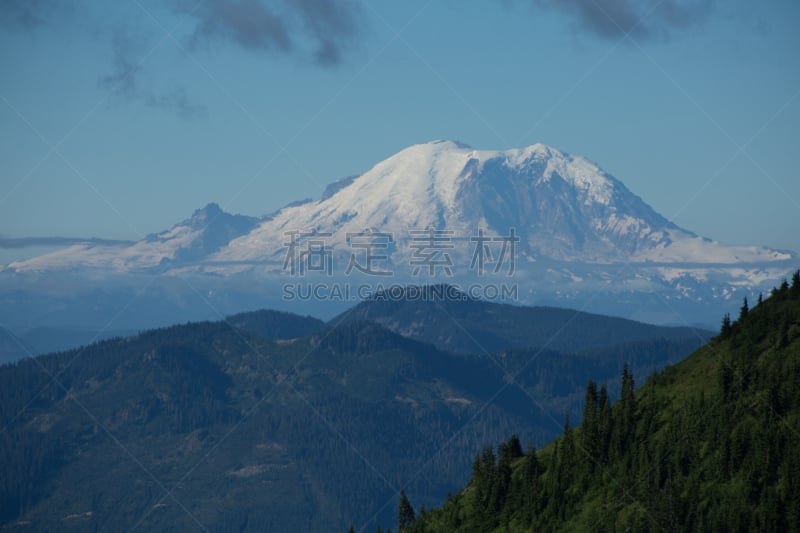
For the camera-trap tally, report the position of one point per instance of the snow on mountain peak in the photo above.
(555, 198)
(449, 159)
(562, 207)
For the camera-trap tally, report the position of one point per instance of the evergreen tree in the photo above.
(567, 454)
(405, 513)
(783, 333)
(532, 468)
(605, 424)
(514, 447)
(744, 310)
(501, 485)
(726, 326)
(624, 426)
(590, 439)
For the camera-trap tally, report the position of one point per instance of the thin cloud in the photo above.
(177, 102)
(123, 81)
(649, 19)
(28, 242)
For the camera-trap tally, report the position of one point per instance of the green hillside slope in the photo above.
(709, 444)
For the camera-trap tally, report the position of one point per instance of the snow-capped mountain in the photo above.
(562, 226)
(562, 207)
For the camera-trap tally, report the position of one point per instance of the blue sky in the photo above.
(119, 119)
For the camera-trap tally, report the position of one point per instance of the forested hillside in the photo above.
(273, 421)
(204, 424)
(709, 444)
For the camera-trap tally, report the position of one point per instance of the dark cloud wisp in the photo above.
(642, 19)
(327, 27)
(317, 30)
(30, 14)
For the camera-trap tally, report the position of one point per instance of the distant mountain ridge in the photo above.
(452, 321)
(275, 324)
(208, 230)
(440, 315)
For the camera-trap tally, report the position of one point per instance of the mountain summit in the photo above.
(562, 207)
